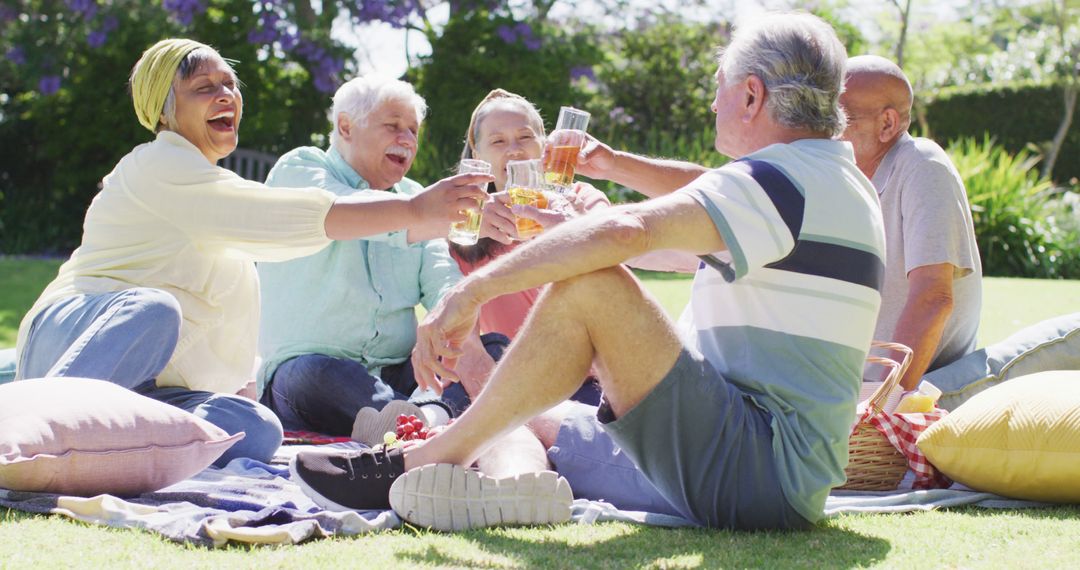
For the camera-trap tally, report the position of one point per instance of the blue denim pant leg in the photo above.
(234, 414)
(315, 392)
(126, 337)
(7, 365)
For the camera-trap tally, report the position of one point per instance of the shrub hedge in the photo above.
(1014, 115)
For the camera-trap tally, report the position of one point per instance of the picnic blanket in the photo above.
(255, 503)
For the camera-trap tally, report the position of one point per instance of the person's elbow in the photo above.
(937, 300)
(624, 231)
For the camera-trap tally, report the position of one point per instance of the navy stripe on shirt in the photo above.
(834, 262)
(786, 198)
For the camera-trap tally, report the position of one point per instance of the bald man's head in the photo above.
(878, 80)
(877, 99)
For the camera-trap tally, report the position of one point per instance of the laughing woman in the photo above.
(162, 295)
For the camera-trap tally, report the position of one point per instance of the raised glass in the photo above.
(468, 231)
(524, 184)
(564, 144)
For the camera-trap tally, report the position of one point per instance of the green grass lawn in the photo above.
(965, 537)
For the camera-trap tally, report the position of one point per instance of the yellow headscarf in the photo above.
(153, 76)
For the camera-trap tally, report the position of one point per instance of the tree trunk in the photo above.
(1070, 93)
(905, 18)
(1070, 86)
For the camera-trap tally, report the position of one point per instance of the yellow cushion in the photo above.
(1019, 439)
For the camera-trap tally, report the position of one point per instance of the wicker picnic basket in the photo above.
(873, 463)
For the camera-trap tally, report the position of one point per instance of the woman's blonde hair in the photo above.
(497, 97)
(488, 248)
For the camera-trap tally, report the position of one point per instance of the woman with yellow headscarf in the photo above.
(162, 296)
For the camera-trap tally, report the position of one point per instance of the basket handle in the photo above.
(896, 372)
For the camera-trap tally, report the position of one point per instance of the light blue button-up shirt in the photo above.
(355, 299)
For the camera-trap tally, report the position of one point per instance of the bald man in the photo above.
(933, 278)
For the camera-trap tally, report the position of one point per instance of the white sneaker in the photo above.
(450, 497)
(370, 425)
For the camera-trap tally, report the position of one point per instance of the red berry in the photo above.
(402, 419)
(417, 424)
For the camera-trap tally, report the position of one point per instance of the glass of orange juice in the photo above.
(564, 144)
(524, 184)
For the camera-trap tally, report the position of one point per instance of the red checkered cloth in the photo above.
(902, 431)
(311, 438)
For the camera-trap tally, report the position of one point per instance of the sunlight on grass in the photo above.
(965, 537)
(21, 281)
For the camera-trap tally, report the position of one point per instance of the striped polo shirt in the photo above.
(787, 312)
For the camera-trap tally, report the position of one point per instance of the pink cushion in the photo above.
(76, 436)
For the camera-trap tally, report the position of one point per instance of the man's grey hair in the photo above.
(358, 97)
(188, 66)
(801, 62)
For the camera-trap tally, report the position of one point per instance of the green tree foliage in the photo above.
(657, 83)
(998, 46)
(1022, 225)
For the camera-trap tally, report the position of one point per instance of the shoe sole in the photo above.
(450, 498)
(370, 427)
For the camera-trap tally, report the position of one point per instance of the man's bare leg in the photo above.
(546, 425)
(605, 315)
(518, 453)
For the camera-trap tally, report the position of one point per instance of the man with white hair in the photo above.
(740, 414)
(932, 295)
(338, 326)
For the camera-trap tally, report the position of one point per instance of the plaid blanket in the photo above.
(255, 503)
(902, 431)
(311, 438)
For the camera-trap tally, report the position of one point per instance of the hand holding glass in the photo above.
(524, 183)
(468, 231)
(564, 144)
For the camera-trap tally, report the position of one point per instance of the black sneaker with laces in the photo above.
(348, 481)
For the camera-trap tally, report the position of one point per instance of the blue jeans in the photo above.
(320, 393)
(127, 338)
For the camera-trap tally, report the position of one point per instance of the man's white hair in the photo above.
(801, 62)
(358, 97)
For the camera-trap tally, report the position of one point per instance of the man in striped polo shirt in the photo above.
(739, 414)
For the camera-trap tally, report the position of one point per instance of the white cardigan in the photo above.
(168, 219)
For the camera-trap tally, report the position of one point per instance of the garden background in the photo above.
(996, 84)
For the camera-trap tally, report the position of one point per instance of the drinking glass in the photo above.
(524, 184)
(468, 231)
(564, 144)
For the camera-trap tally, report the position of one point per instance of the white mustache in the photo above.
(400, 151)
